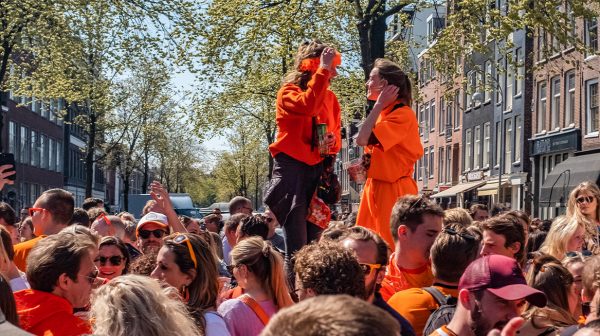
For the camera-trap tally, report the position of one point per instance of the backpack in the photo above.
(443, 314)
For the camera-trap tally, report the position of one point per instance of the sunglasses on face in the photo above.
(184, 239)
(585, 199)
(584, 253)
(368, 268)
(91, 278)
(32, 211)
(114, 260)
(145, 234)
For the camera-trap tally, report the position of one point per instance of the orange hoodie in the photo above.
(295, 112)
(46, 314)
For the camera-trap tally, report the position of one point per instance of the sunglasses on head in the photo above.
(368, 268)
(415, 205)
(586, 199)
(183, 238)
(114, 260)
(145, 234)
(453, 232)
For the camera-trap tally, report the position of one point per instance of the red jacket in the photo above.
(295, 112)
(46, 314)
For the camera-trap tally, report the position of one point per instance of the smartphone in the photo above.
(8, 158)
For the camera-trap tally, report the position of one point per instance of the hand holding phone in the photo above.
(8, 175)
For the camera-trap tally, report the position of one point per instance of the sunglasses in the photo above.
(368, 268)
(32, 211)
(92, 276)
(114, 260)
(145, 234)
(183, 238)
(584, 199)
(584, 253)
(453, 232)
(415, 205)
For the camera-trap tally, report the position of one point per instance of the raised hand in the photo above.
(388, 95)
(327, 57)
(4, 174)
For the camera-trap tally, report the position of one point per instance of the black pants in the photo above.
(288, 196)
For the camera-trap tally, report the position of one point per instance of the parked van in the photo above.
(181, 202)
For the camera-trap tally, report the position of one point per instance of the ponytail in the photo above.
(277, 280)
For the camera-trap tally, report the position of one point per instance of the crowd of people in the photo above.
(401, 265)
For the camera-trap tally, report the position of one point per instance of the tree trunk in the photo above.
(126, 186)
(146, 168)
(89, 155)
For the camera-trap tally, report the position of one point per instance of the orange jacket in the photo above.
(46, 314)
(22, 252)
(295, 112)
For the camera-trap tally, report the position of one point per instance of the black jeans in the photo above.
(288, 196)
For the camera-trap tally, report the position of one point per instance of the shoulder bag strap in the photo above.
(437, 295)
(256, 308)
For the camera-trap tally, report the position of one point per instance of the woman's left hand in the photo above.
(388, 95)
(330, 139)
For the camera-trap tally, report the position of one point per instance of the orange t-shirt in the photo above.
(22, 251)
(416, 305)
(399, 145)
(398, 279)
(443, 331)
(294, 118)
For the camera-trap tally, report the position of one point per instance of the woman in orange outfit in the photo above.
(303, 102)
(390, 134)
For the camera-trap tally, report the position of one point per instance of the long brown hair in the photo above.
(308, 49)
(204, 289)
(267, 265)
(394, 75)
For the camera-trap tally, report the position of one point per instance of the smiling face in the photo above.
(375, 84)
(110, 254)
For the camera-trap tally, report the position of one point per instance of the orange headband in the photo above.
(312, 64)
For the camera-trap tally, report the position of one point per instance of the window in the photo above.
(59, 156)
(44, 152)
(421, 120)
(570, 98)
(486, 145)
(456, 109)
(45, 110)
(591, 35)
(488, 82)
(591, 106)
(500, 83)
(426, 123)
(508, 133)
(470, 89)
(477, 149)
(25, 145)
(468, 149)
(441, 172)
(52, 154)
(518, 135)
(520, 77)
(449, 111)
(434, 26)
(425, 163)
(498, 143)
(541, 44)
(541, 107)
(13, 139)
(509, 82)
(555, 102)
(35, 149)
(442, 116)
(419, 169)
(432, 115)
(449, 164)
(431, 162)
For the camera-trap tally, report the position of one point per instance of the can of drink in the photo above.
(322, 134)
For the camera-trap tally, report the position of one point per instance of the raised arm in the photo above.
(387, 96)
(161, 196)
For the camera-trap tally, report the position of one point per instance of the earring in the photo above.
(185, 293)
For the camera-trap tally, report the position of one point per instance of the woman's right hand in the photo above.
(388, 95)
(327, 58)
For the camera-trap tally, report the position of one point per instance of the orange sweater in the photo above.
(22, 252)
(295, 111)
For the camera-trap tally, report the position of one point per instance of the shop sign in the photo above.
(474, 176)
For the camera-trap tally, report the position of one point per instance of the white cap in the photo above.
(153, 217)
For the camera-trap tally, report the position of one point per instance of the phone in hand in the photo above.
(8, 159)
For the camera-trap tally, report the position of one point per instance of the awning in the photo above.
(567, 175)
(458, 189)
(490, 188)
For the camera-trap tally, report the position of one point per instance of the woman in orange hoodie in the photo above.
(390, 134)
(305, 106)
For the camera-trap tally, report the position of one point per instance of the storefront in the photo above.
(550, 186)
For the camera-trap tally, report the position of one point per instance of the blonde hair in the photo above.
(136, 305)
(573, 209)
(561, 231)
(457, 215)
(267, 265)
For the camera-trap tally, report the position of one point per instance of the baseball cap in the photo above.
(501, 276)
(153, 217)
